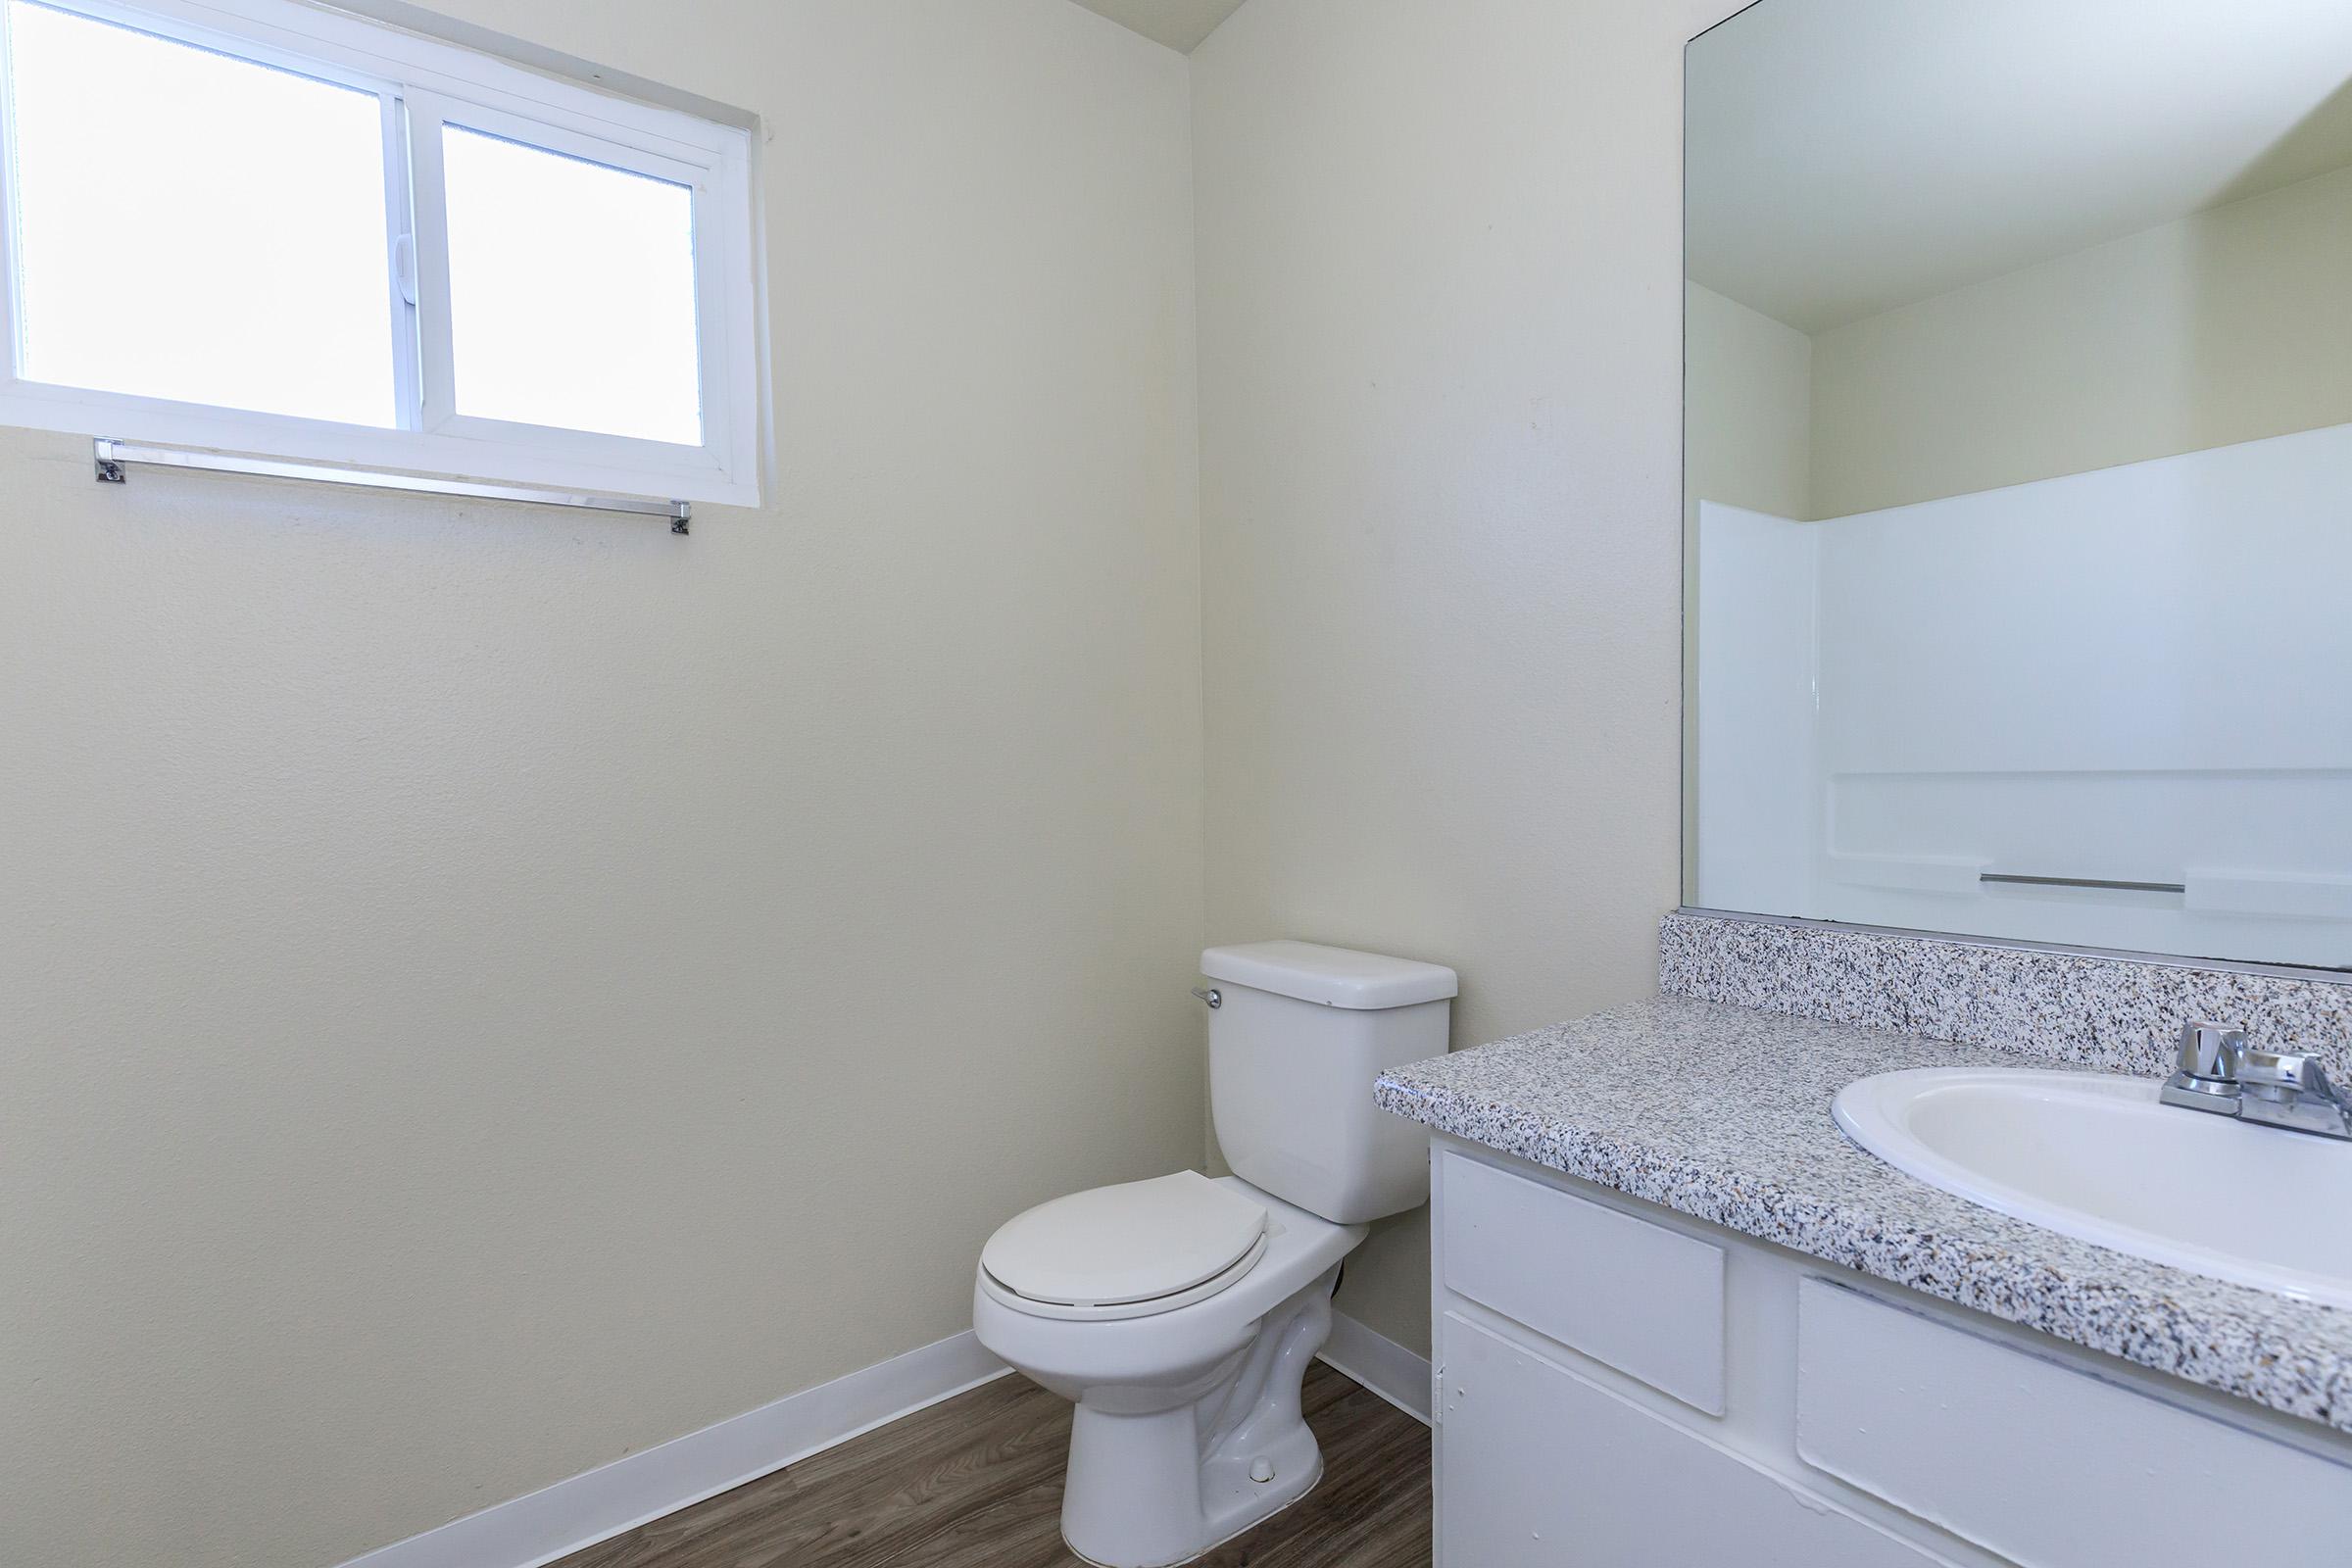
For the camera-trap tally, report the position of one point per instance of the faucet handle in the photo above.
(2211, 1052)
(2283, 1090)
(2278, 1070)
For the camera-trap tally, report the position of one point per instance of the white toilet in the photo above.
(1180, 1313)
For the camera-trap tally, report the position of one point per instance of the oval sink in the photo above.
(2100, 1158)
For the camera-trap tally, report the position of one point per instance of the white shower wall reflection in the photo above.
(1939, 715)
(2019, 470)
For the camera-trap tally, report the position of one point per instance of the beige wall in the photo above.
(487, 990)
(1747, 441)
(2226, 327)
(1749, 394)
(1440, 296)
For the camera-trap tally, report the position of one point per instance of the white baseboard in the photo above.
(530, 1530)
(1380, 1364)
(556, 1521)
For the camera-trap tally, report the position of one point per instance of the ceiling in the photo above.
(1849, 156)
(1181, 25)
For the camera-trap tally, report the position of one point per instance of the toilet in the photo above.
(1178, 1314)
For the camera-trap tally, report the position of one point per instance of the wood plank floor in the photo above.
(976, 1482)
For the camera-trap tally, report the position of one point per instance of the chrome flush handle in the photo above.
(1209, 994)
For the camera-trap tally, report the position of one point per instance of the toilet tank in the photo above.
(1296, 1037)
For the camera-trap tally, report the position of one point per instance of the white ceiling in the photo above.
(1850, 156)
(1179, 23)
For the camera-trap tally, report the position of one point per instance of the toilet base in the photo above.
(1256, 1518)
(1154, 1487)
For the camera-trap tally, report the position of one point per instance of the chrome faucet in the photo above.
(2220, 1073)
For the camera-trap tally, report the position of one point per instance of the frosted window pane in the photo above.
(197, 226)
(571, 291)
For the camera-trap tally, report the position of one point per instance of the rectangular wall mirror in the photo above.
(2017, 470)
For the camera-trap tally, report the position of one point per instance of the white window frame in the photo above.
(425, 84)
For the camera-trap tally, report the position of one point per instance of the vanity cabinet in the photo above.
(1543, 1466)
(1619, 1387)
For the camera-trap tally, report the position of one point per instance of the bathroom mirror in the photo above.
(2017, 470)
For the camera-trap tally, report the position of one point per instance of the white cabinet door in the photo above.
(1540, 1468)
(2041, 1463)
(1643, 1299)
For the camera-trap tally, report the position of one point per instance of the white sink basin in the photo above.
(2100, 1158)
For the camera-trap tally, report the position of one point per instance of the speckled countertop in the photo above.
(1723, 1113)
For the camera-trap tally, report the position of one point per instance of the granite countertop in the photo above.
(1723, 1113)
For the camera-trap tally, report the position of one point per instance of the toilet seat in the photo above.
(1116, 1311)
(1129, 1251)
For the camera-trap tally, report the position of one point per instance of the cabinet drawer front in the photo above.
(1538, 1468)
(2043, 1465)
(1643, 1299)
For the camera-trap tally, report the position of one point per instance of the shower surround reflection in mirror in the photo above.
(2019, 472)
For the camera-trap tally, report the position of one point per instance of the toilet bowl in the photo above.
(1188, 1429)
(1179, 1313)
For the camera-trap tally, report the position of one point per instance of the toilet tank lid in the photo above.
(1336, 977)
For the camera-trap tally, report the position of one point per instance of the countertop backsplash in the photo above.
(2109, 1013)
